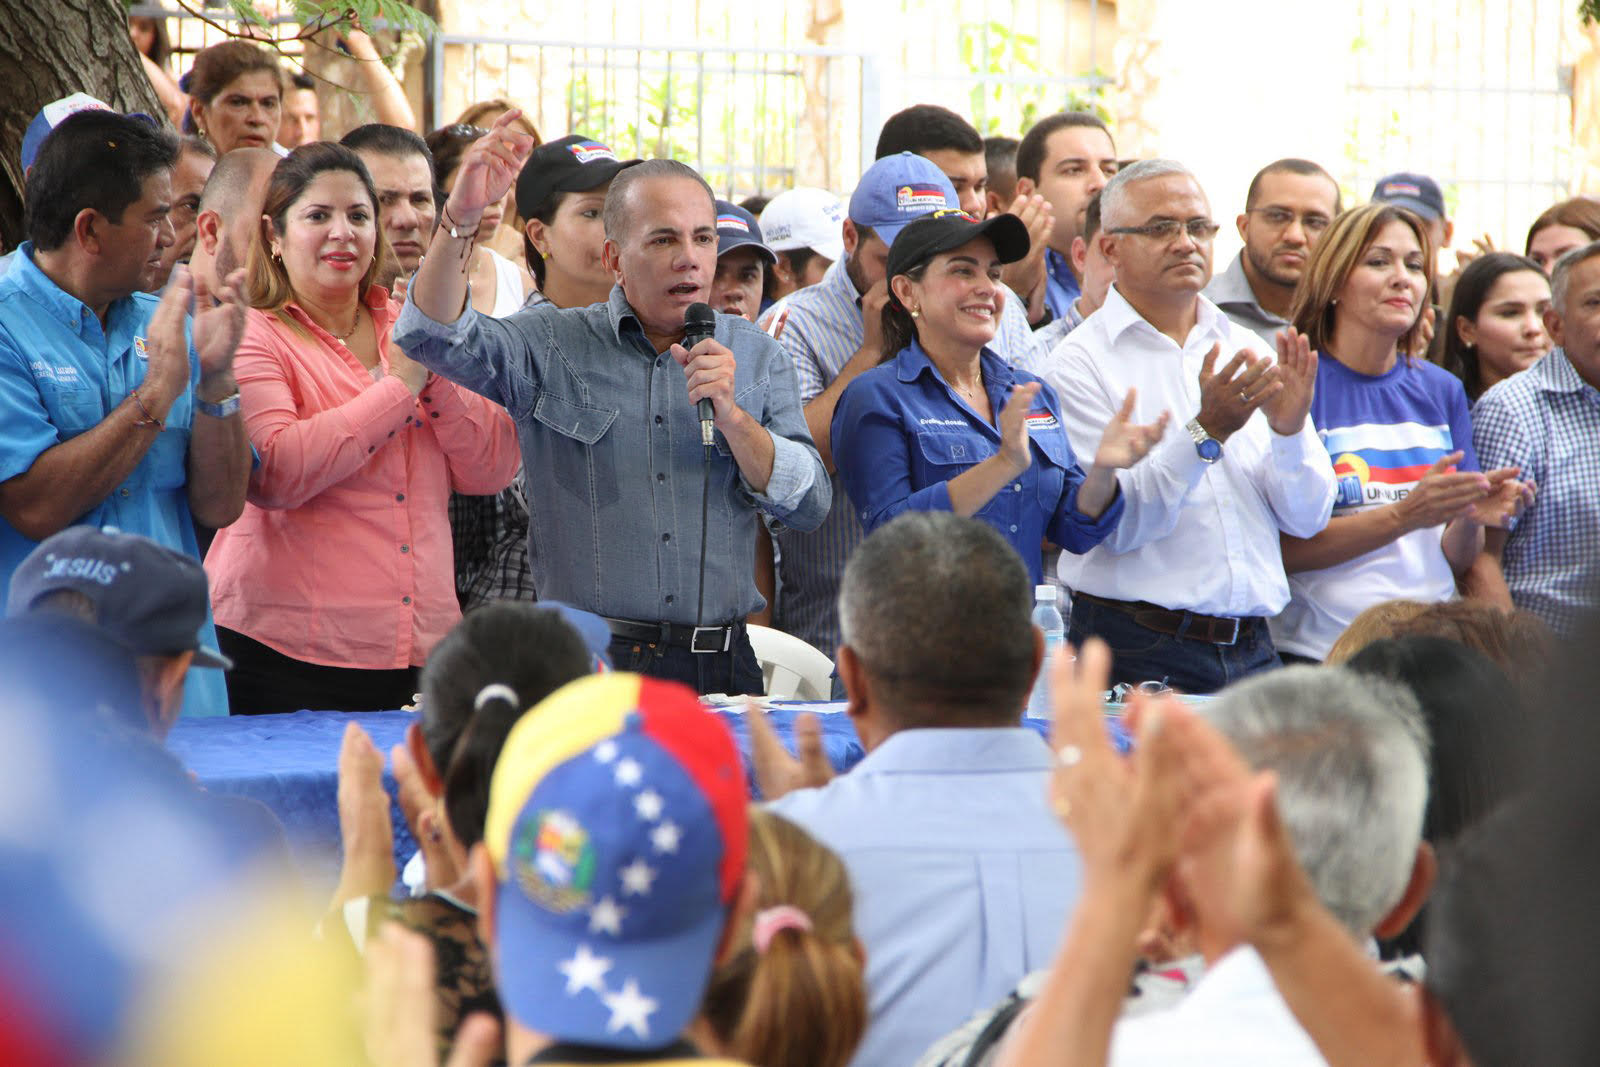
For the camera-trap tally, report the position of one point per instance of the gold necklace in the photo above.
(345, 337)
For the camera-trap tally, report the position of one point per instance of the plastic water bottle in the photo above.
(1047, 617)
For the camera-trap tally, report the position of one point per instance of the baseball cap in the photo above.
(572, 164)
(592, 628)
(737, 228)
(617, 827)
(147, 597)
(895, 190)
(949, 228)
(1418, 192)
(52, 114)
(805, 218)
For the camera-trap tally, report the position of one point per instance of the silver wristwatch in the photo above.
(1208, 447)
(227, 407)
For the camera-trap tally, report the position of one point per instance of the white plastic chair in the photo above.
(790, 668)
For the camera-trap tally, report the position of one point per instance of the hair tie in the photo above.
(492, 691)
(771, 920)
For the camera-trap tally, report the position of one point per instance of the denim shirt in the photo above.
(61, 374)
(900, 434)
(612, 457)
(1061, 287)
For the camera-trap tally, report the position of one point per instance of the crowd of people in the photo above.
(529, 435)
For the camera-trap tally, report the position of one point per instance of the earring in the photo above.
(548, 256)
(916, 312)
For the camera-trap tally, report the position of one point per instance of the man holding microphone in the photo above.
(605, 403)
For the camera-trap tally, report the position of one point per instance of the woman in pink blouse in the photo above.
(338, 579)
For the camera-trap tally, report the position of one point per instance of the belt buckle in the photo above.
(1233, 639)
(727, 639)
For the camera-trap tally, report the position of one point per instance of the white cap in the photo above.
(805, 218)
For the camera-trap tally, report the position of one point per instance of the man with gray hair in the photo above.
(630, 517)
(962, 875)
(1182, 589)
(1546, 421)
(1350, 756)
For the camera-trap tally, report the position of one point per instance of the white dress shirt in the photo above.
(1235, 1015)
(1195, 536)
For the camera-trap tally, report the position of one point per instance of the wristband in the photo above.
(148, 419)
(227, 407)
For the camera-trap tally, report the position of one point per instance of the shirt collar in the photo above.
(837, 279)
(959, 750)
(1558, 375)
(1060, 269)
(60, 304)
(1232, 286)
(1117, 315)
(378, 303)
(913, 362)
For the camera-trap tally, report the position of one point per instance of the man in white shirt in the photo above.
(1350, 755)
(1182, 588)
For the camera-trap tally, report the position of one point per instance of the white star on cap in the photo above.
(636, 878)
(605, 751)
(606, 917)
(629, 1008)
(629, 772)
(666, 836)
(648, 804)
(585, 970)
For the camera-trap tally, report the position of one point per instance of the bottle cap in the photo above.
(1044, 592)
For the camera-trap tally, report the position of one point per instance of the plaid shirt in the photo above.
(1546, 420)
(491, 544)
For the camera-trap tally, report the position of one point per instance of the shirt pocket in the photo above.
(752, 399)
(72, 411)
(581, 453)
(1051, 461)
(940, 457)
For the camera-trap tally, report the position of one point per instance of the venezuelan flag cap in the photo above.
(617, 828)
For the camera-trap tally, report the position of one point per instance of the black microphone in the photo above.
(699, 323)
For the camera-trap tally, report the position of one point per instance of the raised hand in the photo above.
(709, 370)
(776, 771)
(219, 321)
(364, 828)
(1286, 410)
(1026, 277)
(1014, 444)
(1230, 396)
(1507, 499)
(1124, 442)
(488, 169)
(1442, 494)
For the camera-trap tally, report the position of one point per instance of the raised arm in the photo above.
(389, 103)
(219, 448)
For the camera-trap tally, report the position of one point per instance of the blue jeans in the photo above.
(734, 671)
(1140, 654)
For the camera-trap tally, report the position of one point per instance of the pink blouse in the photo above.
(343, 554)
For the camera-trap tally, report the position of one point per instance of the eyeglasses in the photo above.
(1278, 218)
(1201, 230)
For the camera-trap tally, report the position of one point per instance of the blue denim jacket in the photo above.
(900, 434)
(612, 458)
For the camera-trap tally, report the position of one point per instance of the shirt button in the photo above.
(399, 496)
(125, 493)
(371, 449)
(1017, 487)
(405, 600)
(1013, 529)
(665, 538)
(425, 398)
(433, 414)
(405, 548)
(658, 420)
(661, 477)
(669, 598)
(391, 433)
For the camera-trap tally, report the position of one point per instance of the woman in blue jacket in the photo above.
(947, 425)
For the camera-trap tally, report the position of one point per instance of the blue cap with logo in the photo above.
(737, 228)
(1417, 192)
(54, 113)
(148, 598)
(897, 189)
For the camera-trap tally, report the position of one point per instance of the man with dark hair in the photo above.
(196, 157)
(1290, 204)
(301, 120)
(948, 141)
(743, 261)
(230, 213)
(1066, 158)
(963, 876)
(1000, 159)
(605, 402)
(833, 331)
(111, 415)
(402, 171)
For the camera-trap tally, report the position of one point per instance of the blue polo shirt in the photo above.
(1061, 288)
(900, 433)
(62, 374)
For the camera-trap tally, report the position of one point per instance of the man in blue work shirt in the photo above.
(109, 415)
(963, 877)
(604, 398)
(1067, 158)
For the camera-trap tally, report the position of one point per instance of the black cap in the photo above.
(573, 164)
(147, 597)
(948, 228)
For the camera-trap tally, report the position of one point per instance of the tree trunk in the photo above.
(50, 49)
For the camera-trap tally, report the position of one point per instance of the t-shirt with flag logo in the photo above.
(1382, 433)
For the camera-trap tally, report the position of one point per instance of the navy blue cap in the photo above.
(1418, 192)
(737, 228)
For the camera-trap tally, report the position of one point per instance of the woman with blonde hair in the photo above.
(332, 588)
(790, 992)
(1411, 507)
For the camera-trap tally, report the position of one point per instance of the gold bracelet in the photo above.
(149, 419)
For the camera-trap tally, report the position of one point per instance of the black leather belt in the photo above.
(698, 639)
(1213, 629)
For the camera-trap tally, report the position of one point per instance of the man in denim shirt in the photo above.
(604, 399)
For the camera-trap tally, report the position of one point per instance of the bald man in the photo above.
(230, 213)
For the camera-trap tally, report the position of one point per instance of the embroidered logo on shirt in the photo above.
(919, 197)
(138, 346)
(1040, 420)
